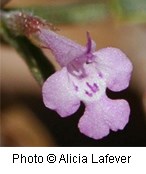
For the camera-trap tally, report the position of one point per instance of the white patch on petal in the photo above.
(91, 87)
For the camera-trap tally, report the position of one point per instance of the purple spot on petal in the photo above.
(89, 94)
(76, 87)
(88, 85)
(100, 75)
(94, 88)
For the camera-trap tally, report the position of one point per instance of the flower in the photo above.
(84, 76)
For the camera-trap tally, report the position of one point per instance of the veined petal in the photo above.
(103, 115)
(64, 49)
(115, 67)
(59, 94)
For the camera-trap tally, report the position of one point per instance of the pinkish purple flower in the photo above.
(84, 76)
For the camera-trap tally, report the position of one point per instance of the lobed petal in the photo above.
(101, 116)
(59, 94)
(115, 67)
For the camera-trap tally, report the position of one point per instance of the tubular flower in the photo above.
(84, 76)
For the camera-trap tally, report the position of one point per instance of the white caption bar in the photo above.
(78, 159)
